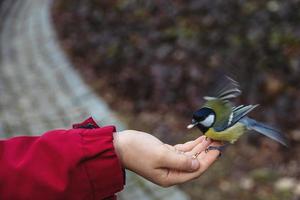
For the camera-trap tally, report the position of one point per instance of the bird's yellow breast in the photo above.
(230, 135)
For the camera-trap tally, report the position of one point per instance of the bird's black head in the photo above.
(203, 118)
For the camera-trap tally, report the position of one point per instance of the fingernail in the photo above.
(195, 164)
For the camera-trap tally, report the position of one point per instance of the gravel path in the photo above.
(40, 90)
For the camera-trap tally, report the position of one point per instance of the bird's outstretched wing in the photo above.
(219, 102)
(239, 112)
(226, 89)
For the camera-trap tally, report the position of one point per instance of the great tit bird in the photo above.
(219, 120)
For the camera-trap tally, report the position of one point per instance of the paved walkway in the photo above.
(40, 90)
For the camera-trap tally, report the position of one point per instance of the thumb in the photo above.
(180, 161)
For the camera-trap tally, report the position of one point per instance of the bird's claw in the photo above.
(219, 148)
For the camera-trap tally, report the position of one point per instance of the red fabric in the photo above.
(72, 164)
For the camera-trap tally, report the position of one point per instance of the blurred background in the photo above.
(152, 62)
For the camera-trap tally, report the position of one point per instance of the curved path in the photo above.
(40, 90)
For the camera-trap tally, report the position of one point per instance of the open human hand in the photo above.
(161, 163)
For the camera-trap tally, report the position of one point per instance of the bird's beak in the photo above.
(191, 126)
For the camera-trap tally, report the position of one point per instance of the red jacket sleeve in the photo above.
(79, 163)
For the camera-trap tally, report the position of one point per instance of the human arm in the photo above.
(87, 162)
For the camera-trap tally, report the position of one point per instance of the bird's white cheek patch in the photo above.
(208, 121)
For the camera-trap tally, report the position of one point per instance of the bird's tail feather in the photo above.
(264, 129)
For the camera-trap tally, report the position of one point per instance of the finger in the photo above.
(200, 147)
(176, 161)
(205, 160)
(188, 146)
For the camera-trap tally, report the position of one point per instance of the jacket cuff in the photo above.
(105, 173)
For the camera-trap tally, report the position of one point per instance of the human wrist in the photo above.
(119, 143)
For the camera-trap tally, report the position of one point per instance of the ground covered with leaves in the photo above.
(153, 61)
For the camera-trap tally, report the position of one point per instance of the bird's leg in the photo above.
(219, 148)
